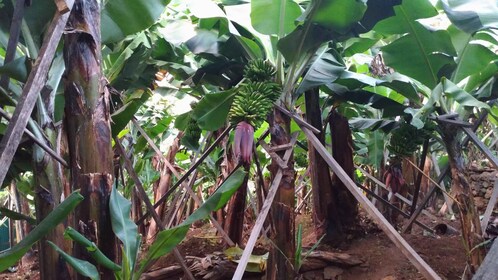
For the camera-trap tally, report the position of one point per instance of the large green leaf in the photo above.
(120, 18)
(339, 15)
(451, 91)
(91, 248)
(326, 68)
(82, 267)
(274, 17)
(117, 61)
(389, 107)
(212, 110)
(372, 124)
(10, 257)
(377, 10)
(167, 239)
(124, 17)
(419, 52)
(375, 145)
(472, 15)
(475, 55)
(124, 228)
(304, 40)
(219, 198)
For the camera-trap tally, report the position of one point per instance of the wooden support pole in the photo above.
(490, 207)
(33, 86)
(487, 152)
(388, 229)
(38, 141)
(388, 204)
(488, 269)
(14, 32)
(426, 199)
(258, 225)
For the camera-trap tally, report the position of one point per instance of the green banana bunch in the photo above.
(253, 102)
(406, 139)
(259, 71)
(192, 134)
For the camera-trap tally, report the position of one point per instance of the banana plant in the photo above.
(453, 63)
(127, 232)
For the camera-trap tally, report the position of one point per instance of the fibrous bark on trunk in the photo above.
(234, 223)
(342, 151)
(87, 122)
(325, 209)
(460, 188)
(281, 258)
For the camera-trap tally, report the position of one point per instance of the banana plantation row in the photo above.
(123, 123)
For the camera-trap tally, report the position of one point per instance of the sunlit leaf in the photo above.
(124, 17)
(472, 15)
(274, 17)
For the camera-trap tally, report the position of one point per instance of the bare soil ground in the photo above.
(382, 260)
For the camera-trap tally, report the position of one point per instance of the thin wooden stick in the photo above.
(141, 191)
(432, 180)
(186, 186)
(42, 145)
(297, 119)
(447, 200)
(490, 207)
(487, 152)
(258, 225)
(187, 174)
(14, 32)
(388, 229)
(33, 86)
(406, 215)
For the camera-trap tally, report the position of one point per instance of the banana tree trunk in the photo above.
(49, 189)
(281, 257)
(460, 188)
(234, 223)
(325, 217)
(87, 121)
(342, 151)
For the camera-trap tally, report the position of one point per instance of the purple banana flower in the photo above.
(243, 141)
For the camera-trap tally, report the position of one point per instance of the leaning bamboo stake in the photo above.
(490, 207)
(432, 181)
(40, 143)
(36, 81)
(258, 225)
(395, 237)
